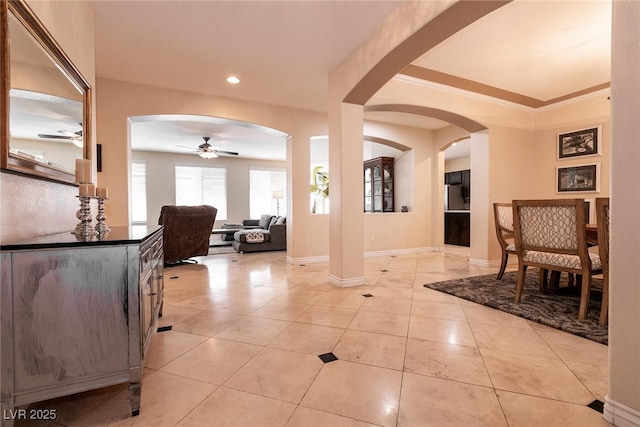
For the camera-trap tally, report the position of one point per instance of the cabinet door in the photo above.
(388, 187)
(70, 315)
(466, 183)
(457, 229)
(368, 192)
(453, 178)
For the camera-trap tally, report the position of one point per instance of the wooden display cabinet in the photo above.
(378, 185)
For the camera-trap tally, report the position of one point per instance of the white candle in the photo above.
(83, 171)
(102, 192)
(87, 190)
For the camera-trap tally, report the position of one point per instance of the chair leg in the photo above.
(585, 292)
(604, 309)
(554, 281)
(503, 264)
(522, 271)
(542, 280)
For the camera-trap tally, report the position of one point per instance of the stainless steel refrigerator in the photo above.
(453, 200)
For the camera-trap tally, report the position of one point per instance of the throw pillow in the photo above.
(254, 237)
(264, 222)
(281, 220)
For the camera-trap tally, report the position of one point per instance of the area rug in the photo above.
(558, 311)
(221, 249)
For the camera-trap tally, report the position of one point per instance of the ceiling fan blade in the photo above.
(184, 146)
(42, 135)
(231, 153)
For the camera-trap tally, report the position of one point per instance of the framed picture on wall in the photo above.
(585, 142)
(585, 178)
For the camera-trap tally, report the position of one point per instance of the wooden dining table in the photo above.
(592, 235)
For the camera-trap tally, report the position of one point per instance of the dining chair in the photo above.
(503, 217)
(602, 218)
(551, 234)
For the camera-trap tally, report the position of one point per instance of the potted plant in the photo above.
(319, 187)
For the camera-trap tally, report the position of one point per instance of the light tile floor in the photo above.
(247, 331)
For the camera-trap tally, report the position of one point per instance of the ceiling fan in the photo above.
(208, 151)
(75, 137)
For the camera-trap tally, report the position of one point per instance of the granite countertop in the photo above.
(117, 236)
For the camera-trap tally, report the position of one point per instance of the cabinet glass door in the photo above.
(377, 189)
(367, 189)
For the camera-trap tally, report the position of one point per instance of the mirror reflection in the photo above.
(45, 128)
(45, 107)
(47, 124)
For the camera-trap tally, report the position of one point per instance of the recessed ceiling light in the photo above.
(233, 80)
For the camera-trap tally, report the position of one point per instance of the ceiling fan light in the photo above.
(207, 154)
(78, 143)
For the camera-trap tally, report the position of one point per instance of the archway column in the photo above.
(622, 403)
(481, 206)
(346, 217)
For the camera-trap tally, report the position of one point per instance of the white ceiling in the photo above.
(540, 49)
(283, 51)
(183, 134)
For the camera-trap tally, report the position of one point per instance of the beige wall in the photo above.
(411, 230)
(27, 203)
(309, 238)
(546, 142)
(458, 164)
(117, 101)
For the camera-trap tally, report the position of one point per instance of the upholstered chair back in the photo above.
(187, 230)
(552, 235)
(503, 216)
(549, 227)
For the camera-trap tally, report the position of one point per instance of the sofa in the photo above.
(186, 231)
(269, 233)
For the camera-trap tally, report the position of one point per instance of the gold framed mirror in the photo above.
(46, 102)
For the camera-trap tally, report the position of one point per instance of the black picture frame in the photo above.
(584, 142)
(581, 178)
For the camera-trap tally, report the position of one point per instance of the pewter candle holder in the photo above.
(101, 227)
(84, 227)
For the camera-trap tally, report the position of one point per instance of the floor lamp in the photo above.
(278, 195)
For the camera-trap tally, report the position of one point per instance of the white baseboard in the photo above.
(493, 262)
(483, 262)
(346, 283)
(395, 252)
(620, 415)
(373, 254)
(307, 260)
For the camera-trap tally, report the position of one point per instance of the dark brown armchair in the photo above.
(187, 230)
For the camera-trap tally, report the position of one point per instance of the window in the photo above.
(267, 192)
(197, 185)
(138, 192)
